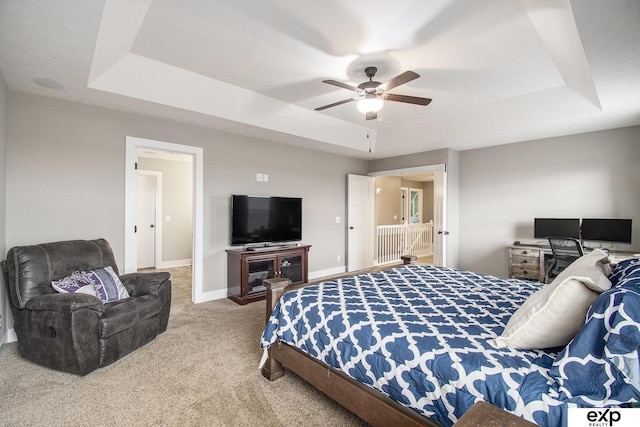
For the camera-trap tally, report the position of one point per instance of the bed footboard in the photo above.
(370, 405)
(273, 369)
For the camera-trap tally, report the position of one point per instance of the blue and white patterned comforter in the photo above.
(419, 334)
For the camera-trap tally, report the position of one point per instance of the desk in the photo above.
(529, 262)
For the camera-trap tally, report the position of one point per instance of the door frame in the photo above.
(440, 248)
(157, 247)
(132, 145)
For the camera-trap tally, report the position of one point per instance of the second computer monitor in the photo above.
(556, 227)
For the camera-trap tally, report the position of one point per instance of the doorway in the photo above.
(132, 147)
(438, 172)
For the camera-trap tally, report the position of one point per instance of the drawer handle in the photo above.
(525, 272)
(525, 252)
(525, 261)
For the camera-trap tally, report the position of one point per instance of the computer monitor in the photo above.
(556, 227)
(606, 230)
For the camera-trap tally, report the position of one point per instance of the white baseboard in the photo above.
(175, 263)
(10, 336)
(326, 273)
(212, 296)
(222, 293)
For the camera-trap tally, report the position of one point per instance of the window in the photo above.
(415, 206)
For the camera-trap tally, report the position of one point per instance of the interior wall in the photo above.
(388, 200)
(177, 203)
(503, 188)
(427, 201)
(4, 304)
(64, 156)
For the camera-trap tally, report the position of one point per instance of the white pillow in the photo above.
(595, 265)
(552, 316)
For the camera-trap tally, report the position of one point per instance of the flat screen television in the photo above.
(556, 227)
(606, 230)
(265, 219)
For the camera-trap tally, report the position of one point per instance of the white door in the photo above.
(360, 222)
(440, 216)
(146, 226)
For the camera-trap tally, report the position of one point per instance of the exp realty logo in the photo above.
(603, 417)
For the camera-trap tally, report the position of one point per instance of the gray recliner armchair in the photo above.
(76, 332)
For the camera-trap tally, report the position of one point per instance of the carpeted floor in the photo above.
(201, 372)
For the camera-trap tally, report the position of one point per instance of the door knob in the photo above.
(151, 226)
(350, 228)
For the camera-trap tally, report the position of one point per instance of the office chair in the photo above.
(565, 250)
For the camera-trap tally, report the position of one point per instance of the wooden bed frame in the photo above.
(367, 403)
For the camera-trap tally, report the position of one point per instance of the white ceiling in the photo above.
(498, 71)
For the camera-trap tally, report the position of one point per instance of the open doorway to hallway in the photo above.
(133, 147)
(404, 217)
(164, 209)
(437, 174)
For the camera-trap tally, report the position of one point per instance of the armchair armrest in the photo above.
(64, 303)
(138, 284)
(156, 283)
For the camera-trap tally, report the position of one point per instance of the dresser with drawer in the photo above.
(526, 263)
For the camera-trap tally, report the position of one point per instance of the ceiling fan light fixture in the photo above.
(371, 103)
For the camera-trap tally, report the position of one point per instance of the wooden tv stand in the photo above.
(246, 269)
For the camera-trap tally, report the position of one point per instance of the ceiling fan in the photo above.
(371, 95)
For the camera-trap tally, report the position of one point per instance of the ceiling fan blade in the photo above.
(340, 84)
(335, 104)
(372, 116)
(398, 80)
(408, 99)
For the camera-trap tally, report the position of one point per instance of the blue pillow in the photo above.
(601, 366)
(628, 268)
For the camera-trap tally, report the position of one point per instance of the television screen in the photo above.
(606, 230)
(258, 219)
(556, 227)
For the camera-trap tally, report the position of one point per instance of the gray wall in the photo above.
(66, 179)
(4, 309)
(177, 202)
(503, 188)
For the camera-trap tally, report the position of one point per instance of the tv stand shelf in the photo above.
(246, 269)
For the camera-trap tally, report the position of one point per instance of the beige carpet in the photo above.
(201, 372)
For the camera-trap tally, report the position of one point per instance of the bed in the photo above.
(419, 345)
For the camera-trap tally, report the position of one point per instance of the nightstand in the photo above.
(526, 263)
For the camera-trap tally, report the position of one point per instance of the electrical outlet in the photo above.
(266, 178)
(259, 177)
(338, 221)
(339, 257)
